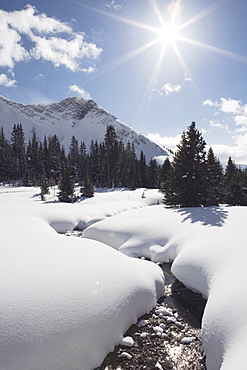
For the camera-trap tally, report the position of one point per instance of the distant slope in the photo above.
(84, 119)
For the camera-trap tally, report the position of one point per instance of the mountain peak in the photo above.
(73, 116)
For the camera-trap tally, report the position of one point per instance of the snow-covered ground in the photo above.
(65, 302)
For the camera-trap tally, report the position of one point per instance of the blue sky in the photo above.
(157, 65)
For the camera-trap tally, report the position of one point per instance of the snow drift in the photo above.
(65, 302)
(208, 247)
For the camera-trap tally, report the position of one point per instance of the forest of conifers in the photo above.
(109, 164)
(193, 178)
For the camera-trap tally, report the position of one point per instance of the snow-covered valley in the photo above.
(66, 302)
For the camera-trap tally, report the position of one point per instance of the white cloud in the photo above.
(236, 113)
(210, 103)
(35, 97)
(5, 81)
(40, 76)
(241, 121)
(226, 105)
(89, 69)
(64, 52)
(237, 150)
(11, 50)
(169, 142)
(80, 91)
(230, 105)
(52, 40)
(168, 89)
(113, 5)
(186, 77)
(220, 125)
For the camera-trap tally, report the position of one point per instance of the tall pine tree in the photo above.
(186, 185)
(66, 187)
(111, 156)
(214, 178)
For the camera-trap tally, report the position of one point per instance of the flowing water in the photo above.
(179, 347)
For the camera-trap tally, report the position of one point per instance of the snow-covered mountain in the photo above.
(84, 119)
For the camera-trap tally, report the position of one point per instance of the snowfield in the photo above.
(65, 301)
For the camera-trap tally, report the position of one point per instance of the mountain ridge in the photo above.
(84, 119)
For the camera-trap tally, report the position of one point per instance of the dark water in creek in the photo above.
(189, 305)
(151, 352)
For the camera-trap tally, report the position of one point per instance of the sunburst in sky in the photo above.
(155, 64)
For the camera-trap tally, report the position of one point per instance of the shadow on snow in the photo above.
(208, 216)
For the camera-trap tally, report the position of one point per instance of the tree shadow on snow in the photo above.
(208, 216)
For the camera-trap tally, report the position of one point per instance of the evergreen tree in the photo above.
(128, 167)
(73, 158)
(5, 157)
(66, 187)
(94, 162)
(229, 171)
(235, 185)
(214, 178)
(143, 170)
(34, 162)
(229, 181)
(45, 158)
(111, 156)
(244, 188)
(44, 188)
(18, 148)
(186, 185)
(83, 162)
(54, 159)
(153, 175)
(87, 188)
(166, 166)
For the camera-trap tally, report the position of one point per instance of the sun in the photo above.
(168, 33)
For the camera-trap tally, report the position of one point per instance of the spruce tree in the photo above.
(66, 187)
(214, 178)
(87, 188)
(166, 166)
(229, 181)
(94, 162)
(186, 185)
(44, 188)
(4, 157)
(83, 162)
(235, 185)
(143, 170)
(34, 162)
(111, 156)
(18, 149)
(54, 159)
(128, 167)
(73, 158)
(153, 174)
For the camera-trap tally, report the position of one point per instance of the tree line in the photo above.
(196, 177)
(45, 163)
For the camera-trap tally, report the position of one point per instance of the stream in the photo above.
(169, 337)
(178, 347)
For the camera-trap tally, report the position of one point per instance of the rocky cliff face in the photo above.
(84, 119)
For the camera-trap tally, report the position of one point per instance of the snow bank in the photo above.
(105, 203)
(65, 302)
(208, 246)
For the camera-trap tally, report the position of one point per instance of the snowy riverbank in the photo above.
(72, 299)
